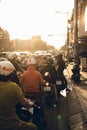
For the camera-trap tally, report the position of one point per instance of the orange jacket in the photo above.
(31, 80)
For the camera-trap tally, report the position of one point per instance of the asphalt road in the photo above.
(56, 115)
(74, 107)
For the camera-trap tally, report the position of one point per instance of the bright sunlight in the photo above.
(25, 18)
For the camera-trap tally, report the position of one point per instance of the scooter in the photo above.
(48, 91)
(61, 85)
(32, 114)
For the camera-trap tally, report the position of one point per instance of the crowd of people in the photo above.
(15, 87)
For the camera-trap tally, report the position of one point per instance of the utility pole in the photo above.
(76, 69)
(67, 31)
(76, 30)
(67, 44)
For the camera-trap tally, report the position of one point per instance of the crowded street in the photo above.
(72, 110)
(43, 65)
(69, 112)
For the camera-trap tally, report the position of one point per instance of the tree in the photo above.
(4, 40)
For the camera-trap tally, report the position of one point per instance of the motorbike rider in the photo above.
(10, 95)
(60, 67)
(31, 81)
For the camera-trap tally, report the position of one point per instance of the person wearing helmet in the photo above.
(31, 78)
(10, 95)
(31, 81)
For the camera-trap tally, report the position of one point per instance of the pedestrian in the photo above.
(31, 81)
(10, 95)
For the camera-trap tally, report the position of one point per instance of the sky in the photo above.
(25, 18)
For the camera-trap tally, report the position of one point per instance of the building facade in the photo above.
(82, 33)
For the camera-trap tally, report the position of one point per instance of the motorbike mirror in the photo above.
(46, 74)
(47, 84)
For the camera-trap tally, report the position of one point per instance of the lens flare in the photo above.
(54, 105)
(58, 117)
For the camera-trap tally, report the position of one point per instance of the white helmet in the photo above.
(6, 68)
(11, 56)
(31, 61)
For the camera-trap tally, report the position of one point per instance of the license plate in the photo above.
(47, 88)
(58, 82)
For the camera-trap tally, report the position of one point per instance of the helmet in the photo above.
(6, 68)
(11, 56)
(31, 61)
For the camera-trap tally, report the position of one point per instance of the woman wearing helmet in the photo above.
(10, 95)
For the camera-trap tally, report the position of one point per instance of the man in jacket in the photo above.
(31, 81)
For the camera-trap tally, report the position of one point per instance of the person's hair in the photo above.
(4, 78)
(14, 77)
(60, 56)
(10, 77)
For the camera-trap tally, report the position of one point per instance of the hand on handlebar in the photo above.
(31, 103)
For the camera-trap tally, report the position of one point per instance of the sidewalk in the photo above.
(77, 104)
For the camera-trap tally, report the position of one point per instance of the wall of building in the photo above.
(81, 24)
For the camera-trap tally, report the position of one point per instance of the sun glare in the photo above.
(25, 18)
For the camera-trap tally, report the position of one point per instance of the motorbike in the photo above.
(48, 91)
(32, 114)
(24, 113)
(61, 85)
